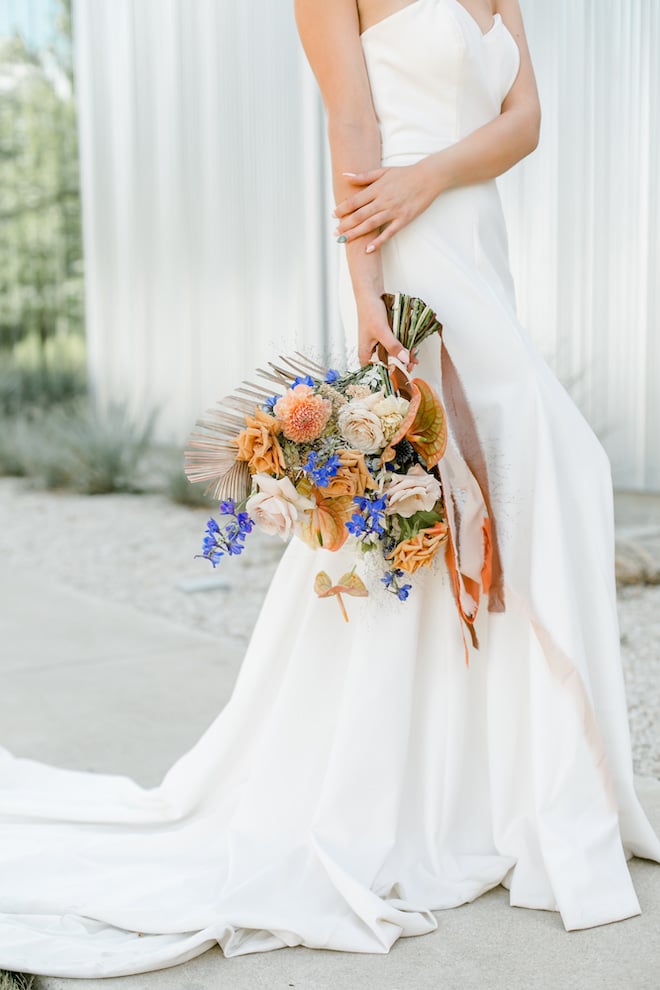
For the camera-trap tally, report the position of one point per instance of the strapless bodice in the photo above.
(435, 76)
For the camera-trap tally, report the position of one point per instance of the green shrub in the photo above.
(38, 386)
(12, 441)
(88, 450)
(40, 376)
(15, 981)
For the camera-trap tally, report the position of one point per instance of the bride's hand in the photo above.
(386, 197)
(373, 329)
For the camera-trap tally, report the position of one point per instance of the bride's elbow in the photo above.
(535, 130)
(530, 131)
(525, 125)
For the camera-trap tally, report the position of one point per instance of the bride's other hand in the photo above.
(386, 199)
(373, 329)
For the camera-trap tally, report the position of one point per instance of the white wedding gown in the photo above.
(361, 776)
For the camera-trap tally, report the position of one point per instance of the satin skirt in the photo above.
(361, 776)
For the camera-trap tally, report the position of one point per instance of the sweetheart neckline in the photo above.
(497, 18)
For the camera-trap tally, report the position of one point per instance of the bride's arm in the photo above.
(395, 196)
(329, 32)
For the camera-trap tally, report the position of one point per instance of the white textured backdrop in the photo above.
(201, 160)
(206, 205)
(584, 219)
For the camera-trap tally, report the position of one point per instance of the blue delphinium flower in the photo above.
(302, 380)
(391, 582)
(321, 474)
(357, 524)
(228, 539)
(369, 523)
(269, 403)
(331, 376)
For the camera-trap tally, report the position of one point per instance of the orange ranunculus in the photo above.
(420, 550)
(258, 444)
(352, 477)
(325, 524)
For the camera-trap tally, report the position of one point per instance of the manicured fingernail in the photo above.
(370, 249)
(350, 174)
(342, 239)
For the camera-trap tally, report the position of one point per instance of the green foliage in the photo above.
(87, 450)
(414, 524)
(13, 438)
(33, 377)
(41, 266)
(15, 981)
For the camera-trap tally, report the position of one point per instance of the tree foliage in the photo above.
(41, 262)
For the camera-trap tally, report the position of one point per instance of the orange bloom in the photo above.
(352, 477)
(258, 444)
(420, 550)
(302, 414)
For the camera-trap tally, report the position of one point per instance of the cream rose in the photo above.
(391, 411)
(390, 404)
(413, 492)
(361, 427)
(275, 507)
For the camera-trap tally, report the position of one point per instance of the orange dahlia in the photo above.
(302, 414)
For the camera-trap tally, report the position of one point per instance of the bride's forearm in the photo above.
(355, 147)
(486, 153)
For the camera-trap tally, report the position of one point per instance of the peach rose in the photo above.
(413, 492)
(258, 444)
(352, 477)
(277, 505)
(419, 550)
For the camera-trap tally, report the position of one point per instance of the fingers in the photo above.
(364, 178)
(387, 232)
(358, 199)
(394, 346)
(368, 226)
(353, 203)
(367, 352)
(349, 222)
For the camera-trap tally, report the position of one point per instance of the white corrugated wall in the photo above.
(201, 157)
(206, 205)
(584, 219)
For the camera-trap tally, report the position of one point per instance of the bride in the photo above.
(362, 778)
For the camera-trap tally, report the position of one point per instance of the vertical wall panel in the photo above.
(584, 213)
(202, 188)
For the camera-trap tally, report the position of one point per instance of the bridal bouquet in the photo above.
(332, 456)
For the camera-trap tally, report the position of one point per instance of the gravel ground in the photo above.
(139, 549)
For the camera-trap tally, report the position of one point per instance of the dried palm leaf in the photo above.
(211, 452)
